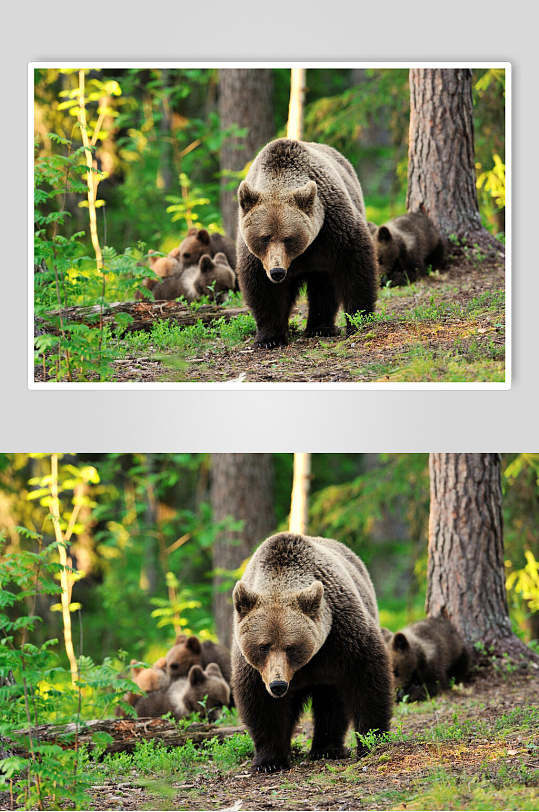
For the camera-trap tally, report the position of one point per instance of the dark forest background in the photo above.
(171, 152)
(153, 534)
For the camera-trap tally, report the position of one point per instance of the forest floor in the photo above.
(475, 747)
(447, 327)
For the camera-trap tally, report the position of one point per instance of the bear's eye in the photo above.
(187, 255)
(290, 650)
(396, 672)
(265, 240)
(263, 649)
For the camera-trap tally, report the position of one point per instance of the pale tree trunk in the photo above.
(466, 578)
(294, 127)
(241, 488)
(245, 99)
(299, 505)
(66, 579)
(441, 160)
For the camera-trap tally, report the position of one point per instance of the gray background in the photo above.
(266, 420)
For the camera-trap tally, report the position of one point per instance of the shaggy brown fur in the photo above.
(302, 219)
(178, 284)
(164, 266)
(204, 692)
(306, 625)
(148, 679)
(188, 651)
(425, 655)
(406, 246)
(215, 277)
(199, 242)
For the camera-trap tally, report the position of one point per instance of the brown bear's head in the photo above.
(215, 276)
(185, 653)
(147, 679)
(279, 634)
(163, 266)
(279, 225)
(403, 660)
(206, 691)
(388, 246)
(193, 247)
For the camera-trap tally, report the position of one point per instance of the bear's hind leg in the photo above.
(323, 306)
(331, 722)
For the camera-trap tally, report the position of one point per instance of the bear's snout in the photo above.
(278, 687)
(277, 274)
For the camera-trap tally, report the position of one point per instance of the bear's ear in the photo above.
(193, 644)
(384, 234)
(203, 236)
(180, 638)
(304, 197)
(309, 599)
(205, 263)
(243, 599)
(196, 675)
(213, 670)
(247, 196)
(220, 257)
(192, 232)
(400, 643)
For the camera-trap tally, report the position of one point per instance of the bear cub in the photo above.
(202, 691)
(302, 220)
(199, 242)
(425, 656)
(306, 626)
(405, 247)
(211, 277)
(189, 651)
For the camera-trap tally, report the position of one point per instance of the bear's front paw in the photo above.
(327, 331)
(270, 765)
(269, 342)
(329, 752)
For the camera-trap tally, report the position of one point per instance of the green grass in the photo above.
(506, 787)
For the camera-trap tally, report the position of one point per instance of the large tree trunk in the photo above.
(441, 161)
(245, 99)
(466, 579)
(241, 488)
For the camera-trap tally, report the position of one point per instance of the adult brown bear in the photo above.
(306, 625)
(302, 219)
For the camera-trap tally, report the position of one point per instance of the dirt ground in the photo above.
(395, 775)
(435, 330)
(378, 353)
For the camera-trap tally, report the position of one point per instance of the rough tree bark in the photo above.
(441, 162)
(241, 487)
(245, 99)
(466, 579)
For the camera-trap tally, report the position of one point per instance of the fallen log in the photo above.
(143, 315)
(125, 734)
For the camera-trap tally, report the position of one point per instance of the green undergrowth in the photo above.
(151, 759)
(166, 335)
